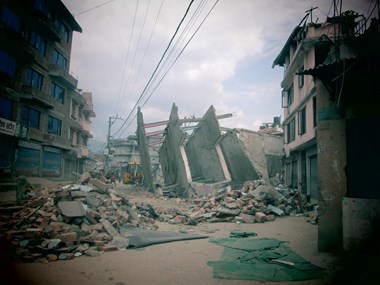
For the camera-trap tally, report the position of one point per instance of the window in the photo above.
(54, 126)
(301, 78)
(34, 79)
(7, 64)
(10, 19)
(57, 93)
(290, 96)
(74, 107)
(291, 132)
(284, 99)
(6, 108)
(38, 42)
(302, 121)
(59, 59)
(31, 118)
(41, 6)
(72, 137)
(314, 111)
(63, 29)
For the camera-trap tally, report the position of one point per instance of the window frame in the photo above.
(6, 108)
(31, 118)
(290, 95)
(8, 64)
(57, 93)
(54, 126)
(302, 121)
(301, 77)
(9, 18)
(38, 42)
(63, 29)
(290, 131)
(34, 78)
(59, 59)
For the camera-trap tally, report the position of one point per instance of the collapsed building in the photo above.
(197, 163)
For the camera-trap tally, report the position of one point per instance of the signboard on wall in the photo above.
(7, 127)
(12, 128)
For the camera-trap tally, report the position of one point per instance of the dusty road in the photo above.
(182, 262)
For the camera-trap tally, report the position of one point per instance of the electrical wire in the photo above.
(178, 42)
(158, 65)
(162, 78)
(126, 60)
(191, 22)
(134, 55)
(147, 47)
(93, 8)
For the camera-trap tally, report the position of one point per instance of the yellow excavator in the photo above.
(132, 173)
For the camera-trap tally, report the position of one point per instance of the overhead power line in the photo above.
(187, 43)
(159, 63)
(126, 61)
(134, 55)
(93, 8)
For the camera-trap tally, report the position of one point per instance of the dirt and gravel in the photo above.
(180, 262)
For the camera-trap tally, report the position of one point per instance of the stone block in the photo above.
(84, 178)
(68, 237)
(101, 186)
(260, 217)
(108, 227)
(72, 208)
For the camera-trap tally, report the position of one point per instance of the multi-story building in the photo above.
(331, 122)
(45, 120)
(306, 47)
(124, 151)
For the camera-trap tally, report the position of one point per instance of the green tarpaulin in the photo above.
(266, 259)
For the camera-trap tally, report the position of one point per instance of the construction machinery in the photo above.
(132, 173)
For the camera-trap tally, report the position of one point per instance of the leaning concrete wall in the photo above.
(173, 159)
(204, 162)
(264, 150)
(238, 161)
(144, 153)
(274, 151)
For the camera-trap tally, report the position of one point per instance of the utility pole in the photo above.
(111, 121)
(310, 11)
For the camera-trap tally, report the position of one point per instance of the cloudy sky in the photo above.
(227, 63)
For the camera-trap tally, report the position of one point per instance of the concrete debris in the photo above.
(64, 222)
(72, 208)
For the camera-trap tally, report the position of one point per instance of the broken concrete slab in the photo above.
(275, 210)
(101, 186)
(108, 227)
(72, 208)
(84, 178)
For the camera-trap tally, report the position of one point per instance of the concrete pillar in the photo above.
(331, 142)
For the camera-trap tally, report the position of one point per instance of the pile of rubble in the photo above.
(256, 202)
(61, 223)
(90, 217)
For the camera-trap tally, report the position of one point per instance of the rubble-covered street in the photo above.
(85, 228)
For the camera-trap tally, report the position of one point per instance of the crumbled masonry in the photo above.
(67, 221)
